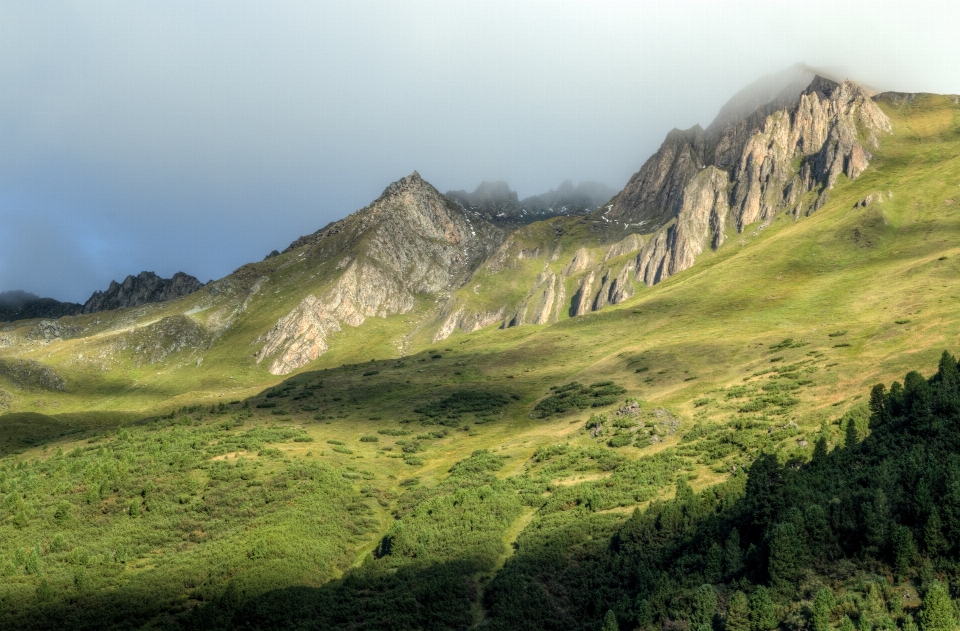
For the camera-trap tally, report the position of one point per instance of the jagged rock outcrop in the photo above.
(583, 299)
(543, 303)
(412, 241)
(467, 322)
(743, 169)
(50, 330)
(22, 305)
(704, 210)
(142, 289)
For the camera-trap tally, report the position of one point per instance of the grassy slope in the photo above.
(699, 336)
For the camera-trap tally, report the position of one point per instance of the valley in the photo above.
(415, 418)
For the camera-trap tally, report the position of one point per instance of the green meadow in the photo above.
(371, 490)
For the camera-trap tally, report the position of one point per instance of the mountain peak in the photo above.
(410, 182)
(779, 89)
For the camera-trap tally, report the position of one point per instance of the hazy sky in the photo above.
(198, 136)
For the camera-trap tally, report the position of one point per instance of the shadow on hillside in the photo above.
(425, 597)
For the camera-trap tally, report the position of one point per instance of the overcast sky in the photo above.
(198, 136)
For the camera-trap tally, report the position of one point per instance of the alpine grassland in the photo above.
(710, 454)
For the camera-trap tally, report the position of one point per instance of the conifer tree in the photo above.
(610, 622)
(763, 616)
(786, 557)
(847, 624)
(738, 613)
(713, 571)
(822, 606)
(933, 538)
(732, 554)
(937, 611)
(704, 607)
(904, 550)
(644, 612)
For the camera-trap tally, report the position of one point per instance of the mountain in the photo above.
(22, 305)
(497, 203)
(414, 418)
(408, 244)
(134, 291)
(139, 290)
(784, 157)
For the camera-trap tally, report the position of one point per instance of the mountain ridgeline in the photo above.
(464, 261)
(496, 203)
(701, 186)
(134, 291)
(658, 411)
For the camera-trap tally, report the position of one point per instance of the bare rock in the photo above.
(579, 262)
(142, 289)
(27, 373)
(411, 241)
(742, 169)
(581, 302)
(50, 330)
(869, 199)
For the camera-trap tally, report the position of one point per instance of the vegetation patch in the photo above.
(577, 396)
(462, 402)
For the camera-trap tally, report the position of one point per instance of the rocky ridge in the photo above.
(781, 158)
(411, 243)
(496, 203)
(142, 289)
(784, 155)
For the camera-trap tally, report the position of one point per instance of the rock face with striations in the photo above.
(411, 242)
(744, 168)
(140, 290)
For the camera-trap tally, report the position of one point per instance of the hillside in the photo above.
(164, 475)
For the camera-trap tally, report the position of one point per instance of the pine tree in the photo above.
(874, 603)
(878, 405)
(904, 550)
(819, 450)
(846, 624)
(713, 571)
(704, 607)
(937, 611)
(909, 624)
(822, 606)
(933, 537)
(763, 616)
(732, 554)
(851, 437)
(610, 622)
(644, 612)
(738, 613)
(786, 557)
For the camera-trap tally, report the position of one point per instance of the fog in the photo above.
(198, 136)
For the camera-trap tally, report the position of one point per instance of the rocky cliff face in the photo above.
(778, 146)
(786, 156)
(139, 290)
(412, 242)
